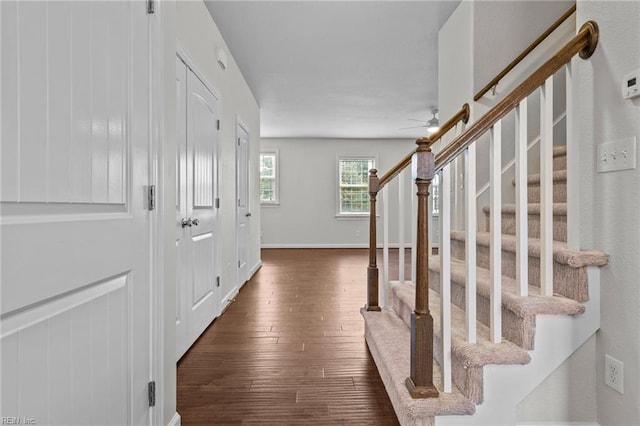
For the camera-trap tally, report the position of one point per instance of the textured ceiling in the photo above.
(334, 69)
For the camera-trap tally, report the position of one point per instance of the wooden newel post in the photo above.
(372, 271)
(420, 383)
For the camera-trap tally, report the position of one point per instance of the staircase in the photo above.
(529, 324)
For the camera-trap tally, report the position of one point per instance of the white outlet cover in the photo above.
(614, 373)
(616, 155)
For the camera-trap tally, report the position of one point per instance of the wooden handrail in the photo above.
(461, 115)
(584, 43)
(524, 53)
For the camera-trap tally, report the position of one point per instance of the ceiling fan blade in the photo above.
(412, 127)
(415, 119)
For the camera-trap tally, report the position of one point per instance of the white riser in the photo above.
(556, 339)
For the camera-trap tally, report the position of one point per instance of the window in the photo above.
(268, 178)
(353, 185)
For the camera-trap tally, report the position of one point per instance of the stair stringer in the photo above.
(557, 337)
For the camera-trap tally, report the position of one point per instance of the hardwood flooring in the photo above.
(290, 350)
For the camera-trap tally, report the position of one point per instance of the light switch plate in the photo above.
(616, 155)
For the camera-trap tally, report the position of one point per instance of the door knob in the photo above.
(195, 222)
(186, 222)
(248, 215)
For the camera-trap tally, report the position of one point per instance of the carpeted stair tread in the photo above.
(533, 220)
(559, 150)
(388, 339)
(561, 254)
(534, 179)
(472, 355)
(559, 209)
(534, 304)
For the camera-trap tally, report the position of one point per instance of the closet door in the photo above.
(202, 144)
(196, 213)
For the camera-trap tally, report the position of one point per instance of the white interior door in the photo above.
(197, 213)
(75, 228)
(243, 211)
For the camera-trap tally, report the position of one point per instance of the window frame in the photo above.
(356, 215)
(276, 177)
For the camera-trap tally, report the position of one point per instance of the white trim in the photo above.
(323, 245)
(354, 216)
(228, 298)
(558, 424)
(346, 156)
(186, 57)
(276, 178)
(254, 269)
(175, 420)
(157, 219)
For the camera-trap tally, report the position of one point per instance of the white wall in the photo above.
(561, 395)
(478, 40)
(189, 24)
(306, 215)
(611, 201)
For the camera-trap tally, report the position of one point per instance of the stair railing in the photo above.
(376, 184)
(426, 165)
(584, 43)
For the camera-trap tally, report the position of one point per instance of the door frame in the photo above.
(157, 218)
(240, 124)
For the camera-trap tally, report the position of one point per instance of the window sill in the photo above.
(270, 204)
(353, 216)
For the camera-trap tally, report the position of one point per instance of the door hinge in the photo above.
(238, 141)
(218, 124)
(217, 203)
(151, 197)
(152, 394)
(217, 281)
(151, 6)
(238, 263)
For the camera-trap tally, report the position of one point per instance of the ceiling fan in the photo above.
(432, 125)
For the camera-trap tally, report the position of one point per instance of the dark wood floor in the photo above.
(290, 350)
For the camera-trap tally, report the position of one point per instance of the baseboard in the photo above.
(255, 268)
(325, 246)
(558, 424)
(228, 298)
(175, 421)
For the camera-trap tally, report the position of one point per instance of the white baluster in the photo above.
(495, 249)
(546, 188)
(401, 230)
(573, 168)
(385, 248)
(445, 274)
(471, 228)
(522, 244)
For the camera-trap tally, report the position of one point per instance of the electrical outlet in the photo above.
(616, 155)
(357, 232)
(614, 373)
